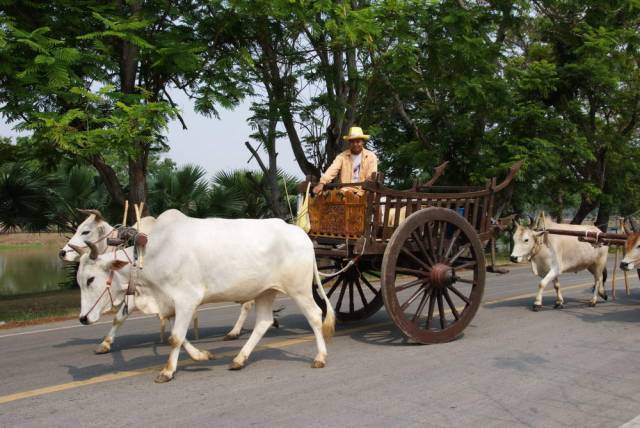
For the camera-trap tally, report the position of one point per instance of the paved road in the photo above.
(576, 367)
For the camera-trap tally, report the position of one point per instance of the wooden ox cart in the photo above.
(419, 252)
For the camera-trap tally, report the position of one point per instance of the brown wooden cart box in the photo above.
(337, 214)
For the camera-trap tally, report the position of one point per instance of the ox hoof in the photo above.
(276, 324)
(209, 355)
(235, 366)
(604, 296)
(163, 378)
(317, 364)
(592, 304)
(558, 306)
(536, 308)
(102, 349)
(231, 337)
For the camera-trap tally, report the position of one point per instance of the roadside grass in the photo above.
(39, 308)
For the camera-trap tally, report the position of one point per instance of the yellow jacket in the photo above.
(342, 165)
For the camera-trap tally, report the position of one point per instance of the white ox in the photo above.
(551, 255)
(95, 229)
(191, 261)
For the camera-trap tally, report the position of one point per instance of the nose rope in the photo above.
(106, 290)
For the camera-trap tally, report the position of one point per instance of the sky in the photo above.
(214, 144)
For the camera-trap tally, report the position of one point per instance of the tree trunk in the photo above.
(138, 185)
(586, 206)
(604, 213)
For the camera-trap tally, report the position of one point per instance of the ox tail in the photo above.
(604, 276)
(329, 323)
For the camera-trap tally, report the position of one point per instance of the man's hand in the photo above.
(318, 188)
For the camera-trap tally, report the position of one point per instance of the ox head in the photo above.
(92, 229)
(631, 258)
(94, 272)
(525, 242)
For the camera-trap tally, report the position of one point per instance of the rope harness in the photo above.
(124, 235)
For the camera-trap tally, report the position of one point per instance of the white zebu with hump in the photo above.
(190, 261)
(552, 255)
(96, 229)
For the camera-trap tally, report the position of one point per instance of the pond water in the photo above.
(31, 270)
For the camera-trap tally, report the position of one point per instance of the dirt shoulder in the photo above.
(17, 311)
(28, 239)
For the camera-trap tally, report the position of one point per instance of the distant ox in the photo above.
(552, 255)
(631, 258)
(191, 261)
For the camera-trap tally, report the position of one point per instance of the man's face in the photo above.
(356, 146)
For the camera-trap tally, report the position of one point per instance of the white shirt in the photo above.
(356, 161)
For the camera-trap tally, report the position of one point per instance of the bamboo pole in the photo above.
(126, 209)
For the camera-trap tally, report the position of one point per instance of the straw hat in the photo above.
(355, 133)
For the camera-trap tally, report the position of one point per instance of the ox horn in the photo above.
(96, 213)
(79, 250)
(94, 250)
(625, 227)
(634, 225)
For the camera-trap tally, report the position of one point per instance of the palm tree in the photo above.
(184, 189)
(26, 198)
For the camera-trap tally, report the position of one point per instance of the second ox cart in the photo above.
(419, 252)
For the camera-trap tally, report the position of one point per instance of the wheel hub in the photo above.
(441, 275)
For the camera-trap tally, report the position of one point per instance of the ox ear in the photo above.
(541, 236)
(117, 264)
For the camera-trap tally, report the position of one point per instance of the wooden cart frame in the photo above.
(419, 252)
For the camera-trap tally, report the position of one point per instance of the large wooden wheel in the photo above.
(354, 293)
(433, 274)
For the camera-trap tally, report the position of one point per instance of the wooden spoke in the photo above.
(339, 304)
(458, 293)
(368, 284)
(443, 320)
(447, 297)
(409, 271)
(413, 283)
(420, 244)
(454, 238)
(362, 297)
(466, 265)
(422, 304)
(414, 258)
(443, 232)
(459, 253)
(325, 280)
(413, 297)
(351, 307)
(432, 303)
(333, 288)
(429, 241)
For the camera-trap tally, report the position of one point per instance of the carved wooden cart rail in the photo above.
(419, 252)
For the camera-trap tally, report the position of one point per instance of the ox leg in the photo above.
(313, 314)
(559, 300)
(196, 327)
(237, 328)
(118, 320)
(197, 354)
(550, 276)
(163, 328)
(176, 340)
(598, 289)
(264, 319)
